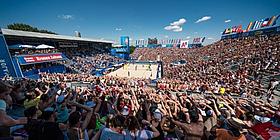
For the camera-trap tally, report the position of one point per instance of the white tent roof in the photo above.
(26, 46)
(44, 46)
(20, 46)
(50, 36)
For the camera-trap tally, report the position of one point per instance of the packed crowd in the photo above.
(234, 65)
(87, 60)
(112, 108)
(115, 108)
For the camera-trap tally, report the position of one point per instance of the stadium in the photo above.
(65, 87)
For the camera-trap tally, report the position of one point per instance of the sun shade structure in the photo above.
(44, 46)
(20, 46)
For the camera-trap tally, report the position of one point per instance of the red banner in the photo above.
(40, 58)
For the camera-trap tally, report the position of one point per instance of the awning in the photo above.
(20, 46)
(44, 46)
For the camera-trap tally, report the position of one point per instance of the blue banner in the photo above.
(6, 64)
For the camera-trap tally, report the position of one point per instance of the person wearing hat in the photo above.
(157, 122)
(62, 110)
(234, 131)
(211, 120)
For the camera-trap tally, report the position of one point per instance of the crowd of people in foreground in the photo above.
(115, 108)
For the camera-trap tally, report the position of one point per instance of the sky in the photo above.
(138, 19)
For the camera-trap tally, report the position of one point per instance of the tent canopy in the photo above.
(20, 46)
(44, 46)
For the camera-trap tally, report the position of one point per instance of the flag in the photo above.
(271, 21)
(249, 26)
(202, 40)
(255, 24)
(239, 29)
(274, 22)
(234, 29)
(265, 22)
(260, 23)
(227, 31)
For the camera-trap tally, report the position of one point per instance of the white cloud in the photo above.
(226, 21)
(118, 29)
(178, 30)
(66, 17)
(205, 18)
(210, 38)
(166, 36)
(188, 37)
(179, 22)
(171, 27)
(176, 26)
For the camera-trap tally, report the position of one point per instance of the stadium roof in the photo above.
(49, 36)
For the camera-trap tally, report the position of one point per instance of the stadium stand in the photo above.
(228, 90)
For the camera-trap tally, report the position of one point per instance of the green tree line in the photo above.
(26, 27)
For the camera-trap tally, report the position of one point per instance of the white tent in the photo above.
(117, 46)
(44, 46)
(27, 46)
(20, 46)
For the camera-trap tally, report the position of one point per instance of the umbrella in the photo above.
(44, 46)
(20, 46)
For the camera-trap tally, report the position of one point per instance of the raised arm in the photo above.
(88, 116)
(6, 120)
(215, 108)
(99, 102)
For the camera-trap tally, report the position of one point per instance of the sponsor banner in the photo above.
(6, 63)
(121, 50)
(184, 44)
(29, 59)
(68, 45)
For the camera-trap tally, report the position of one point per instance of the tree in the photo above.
(26, 27)
(132, 48)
